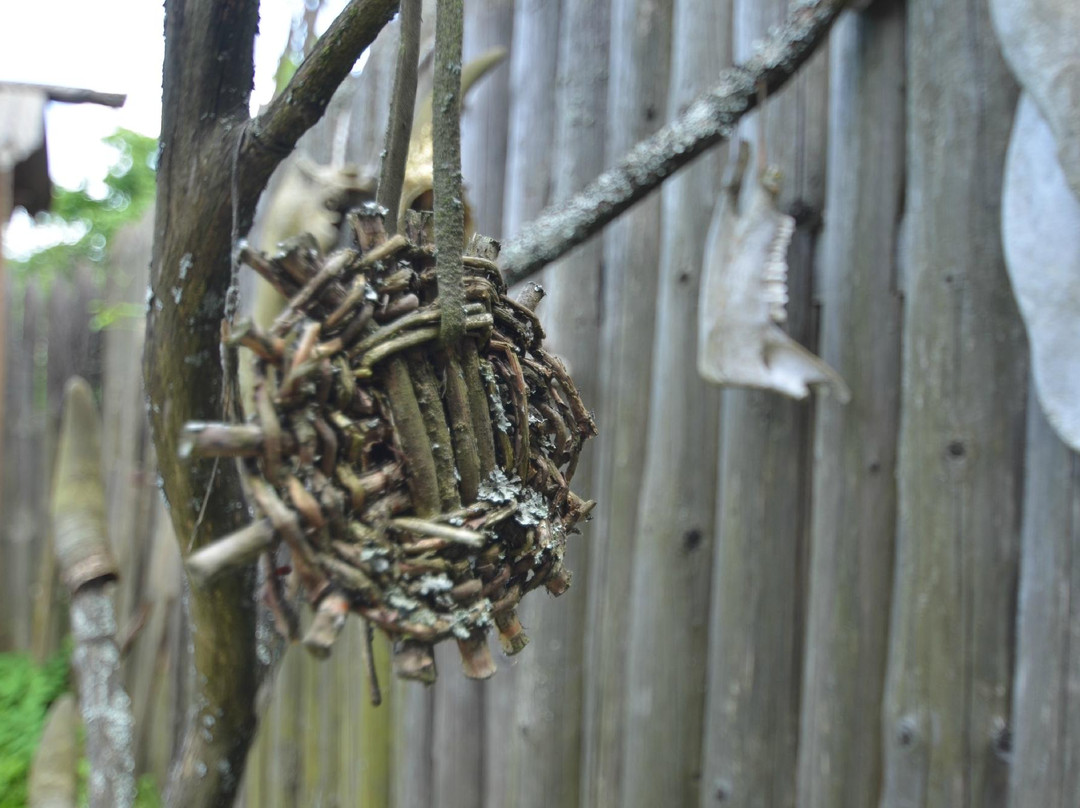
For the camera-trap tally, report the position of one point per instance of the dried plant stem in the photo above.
(412, 434)
(426, 387)
(461, 422)
(449, 208)
(399, 125)
(478, 407)
(234, 550)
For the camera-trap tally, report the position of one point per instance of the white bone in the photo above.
(1041, 42)
(744, 295)
(1041, 236)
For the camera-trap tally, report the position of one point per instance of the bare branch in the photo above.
(449, 208)
(304, 99)
(399, 124)
(70, 95)
(709, 120)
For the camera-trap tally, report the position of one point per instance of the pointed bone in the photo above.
(743, 297)
(1041, 235)
(1040, 40)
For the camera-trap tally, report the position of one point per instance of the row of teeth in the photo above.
(774, 277)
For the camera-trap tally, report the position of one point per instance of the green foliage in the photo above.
(93, 221)
(117, 316)
(26, 691)
(146, 790)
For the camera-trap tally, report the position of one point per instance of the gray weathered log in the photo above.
(637, 100)
(86, 565)
(546, 747)
(706, 121)
(530, 133)
(1045, 758)
(949, 674)
(853, 506)
(755, 652)
(673, 539)
(53, 772)
(459, 747)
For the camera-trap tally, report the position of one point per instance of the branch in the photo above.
(446, 134)
(70, 95)
(399, 123)
(304, 99)
(709, 120)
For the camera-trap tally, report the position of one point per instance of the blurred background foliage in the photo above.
(87, 217)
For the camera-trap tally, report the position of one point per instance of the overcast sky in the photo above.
(115, 46)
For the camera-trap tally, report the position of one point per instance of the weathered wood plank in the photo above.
(949, 674)
(673, 541)
(1045, 767)
(637, 100)
(853, 510)
(762, 516)
(529, 145)
(488, 24)
(23, 528)
(546, 762)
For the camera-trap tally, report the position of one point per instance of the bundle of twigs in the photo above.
(421, 485)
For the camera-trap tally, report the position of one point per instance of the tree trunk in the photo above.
(962, 427)
(211, 151)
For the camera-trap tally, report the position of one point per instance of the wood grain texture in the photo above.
(546, 758)
(853, 506)
(530, 132)
(637, 103)
(673, 538)
(1045, 755)
(756, 639)
(949, 675)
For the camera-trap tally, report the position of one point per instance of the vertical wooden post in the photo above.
(962, 426)
(546, 764)
(529, 145)
(460, 742)
(755, 655)
(1045, 763)
(673, 543)
(637, 103)
(853, 507)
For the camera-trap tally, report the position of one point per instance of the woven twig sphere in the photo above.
(424, 487)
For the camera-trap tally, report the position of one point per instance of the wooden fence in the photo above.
(777, 603)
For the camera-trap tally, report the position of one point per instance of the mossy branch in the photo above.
(449, 207)
(709, 120)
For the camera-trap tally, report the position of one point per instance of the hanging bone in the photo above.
(744, 295)
(1041, 235)
(1040, 40)
(1040, 210)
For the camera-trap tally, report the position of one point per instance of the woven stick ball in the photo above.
(423, 487)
